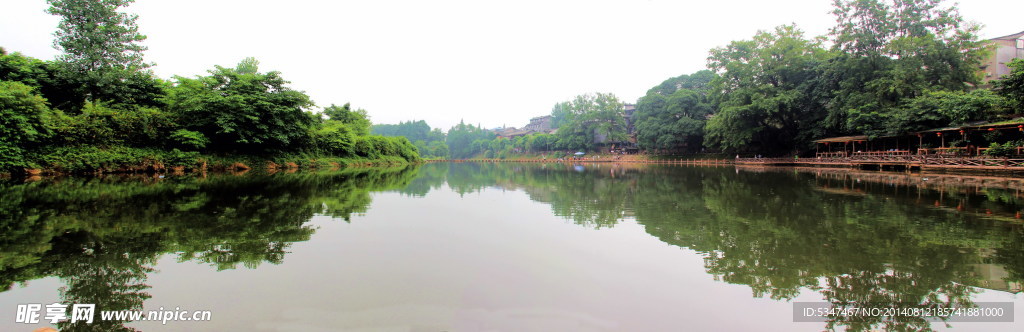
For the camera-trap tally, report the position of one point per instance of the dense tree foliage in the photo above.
(893, 52)
(100, 44)
(462, 137)
(592, 119)
(335, 138)
(672, 116)
(242, 110)
(585, 123)
(894, 67)
(429, 142)
(233, 111)
(937, 109)
(357, 120)
(46, 77)
(561, 114)
(23, 118)
(1012, 86)
(97, 108)
(763, 91)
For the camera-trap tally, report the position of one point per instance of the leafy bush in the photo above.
(374, 147)
(1001, 150)
(188, 139)
(105, 126)
(23, 118)
(405, 149)
(334, 138)
(363, 147)
(78, 159)
(242, 110)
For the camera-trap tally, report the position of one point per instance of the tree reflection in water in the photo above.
(782, 232)
(101, 236)
(852, 238)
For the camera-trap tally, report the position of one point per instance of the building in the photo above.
(968, 140)
(627, 113)
(511, 132)
(540, 124)
(1006, 49)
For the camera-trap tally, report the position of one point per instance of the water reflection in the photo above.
(101, 236)
(880, 238)
(851, 237)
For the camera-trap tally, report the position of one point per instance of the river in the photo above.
(513, 247)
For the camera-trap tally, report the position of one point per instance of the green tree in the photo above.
(462, 140)
(939, 109)
(1011, 86)
(699, 81)
(334, 138)
(763, 89)
(46, 77)
(100, 45)
(541, 142)
(357, 120)
(595, 119)
(241, 110)
(418, 132)
(673, 114)
(892, 52)
(23, 122)
(100, 125)
(561, 114)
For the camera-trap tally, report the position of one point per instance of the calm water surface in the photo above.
(513, 247)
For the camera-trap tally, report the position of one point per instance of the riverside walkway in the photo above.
(908, 162)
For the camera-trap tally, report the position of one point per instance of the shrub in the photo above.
(105, 126)
(23, 119)
(363, 147)
(1001, 150)
(188, 139)
(77, 159)
(334, 138)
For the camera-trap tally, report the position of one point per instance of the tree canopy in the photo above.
(1012, 86)
(763, 89)
(672, 116)
(357, 120)
(593, 119)
(892, 52)
(240, 109)
(461, 137)
(101, 45)
(895, 66)
(430, 142)
(23, 118)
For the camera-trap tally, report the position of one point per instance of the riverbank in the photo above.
(908, 163)
(954, 166)
(597, 158)
(128, 160)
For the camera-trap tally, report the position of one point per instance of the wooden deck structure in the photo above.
(895, 161)
(968, 140)
(898, 161)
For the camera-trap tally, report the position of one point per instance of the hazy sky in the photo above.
(490, 62)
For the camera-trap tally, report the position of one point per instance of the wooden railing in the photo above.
(928, 160)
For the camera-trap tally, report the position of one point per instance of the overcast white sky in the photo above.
(489, 62)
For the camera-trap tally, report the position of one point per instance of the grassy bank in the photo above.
(120, 159)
